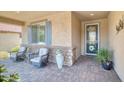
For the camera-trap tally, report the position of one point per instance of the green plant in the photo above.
(103, 55)
(4, 78)
(15, 49)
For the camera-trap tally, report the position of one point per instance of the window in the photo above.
(40, 33)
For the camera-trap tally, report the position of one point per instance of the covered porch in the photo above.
(68, 31)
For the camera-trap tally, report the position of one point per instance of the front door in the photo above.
(91, 38)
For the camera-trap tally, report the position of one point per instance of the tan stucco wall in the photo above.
(66, 30)
(116, 42)
(76, 34)
(61, 28)
(9, 40)
(103, 33)
(25, 34)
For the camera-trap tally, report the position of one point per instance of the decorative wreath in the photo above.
(91, 48)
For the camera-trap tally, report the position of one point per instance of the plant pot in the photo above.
(107, 65)
(59, 60)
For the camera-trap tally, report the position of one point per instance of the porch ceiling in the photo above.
(91, 15)
(29, 15)
(25, 15)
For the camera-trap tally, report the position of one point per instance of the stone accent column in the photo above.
(69, 55)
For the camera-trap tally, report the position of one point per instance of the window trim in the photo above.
(42, 24)
(48, 34)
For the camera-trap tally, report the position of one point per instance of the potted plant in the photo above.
(59, 58)
(104, 56)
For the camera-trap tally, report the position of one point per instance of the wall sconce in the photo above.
(120, 25)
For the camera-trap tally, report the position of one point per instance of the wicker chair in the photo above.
(39, 59)
(20, 55)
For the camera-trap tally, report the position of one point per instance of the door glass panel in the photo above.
(92, 39)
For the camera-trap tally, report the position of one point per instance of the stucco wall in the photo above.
(25, 34)
(103, 33)
(9, 40)
(116, 42)
(61, 28)
(9, 35)
(76, 34)
(66, 30)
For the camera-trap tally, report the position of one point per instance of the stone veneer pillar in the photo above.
(69, 55)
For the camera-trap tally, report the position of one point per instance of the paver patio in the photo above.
(85, 70)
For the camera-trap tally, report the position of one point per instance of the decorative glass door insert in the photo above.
(91, 38)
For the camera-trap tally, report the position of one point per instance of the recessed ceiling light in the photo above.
(92, 14)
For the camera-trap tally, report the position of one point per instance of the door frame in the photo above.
(86, 38)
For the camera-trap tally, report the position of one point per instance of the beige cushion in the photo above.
(36, 59)
(22, 49)
(43, 51)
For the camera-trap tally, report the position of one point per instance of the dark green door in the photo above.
(92, 39)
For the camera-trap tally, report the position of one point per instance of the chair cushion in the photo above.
(36, 59)
(22, 49)
(43, 51)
